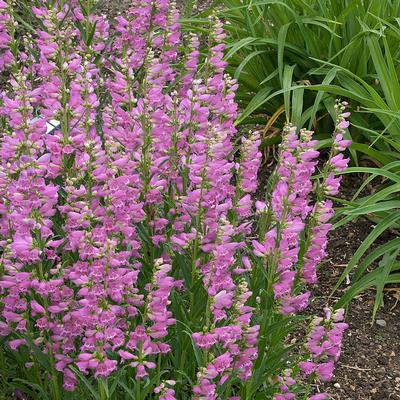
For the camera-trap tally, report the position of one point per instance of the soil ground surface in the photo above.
(369, 368)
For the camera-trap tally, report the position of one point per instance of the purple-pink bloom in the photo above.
(319, 396)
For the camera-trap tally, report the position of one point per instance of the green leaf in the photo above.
(39, 355)
(297, 107)
(374, 255)
(385, 268)
(258, 100)
(383, 225)
(367, 282)
(330, 76)
(197, 352)
(287, 86)
(127, 391)
(237, 46)
(281, 47)
(22, 21)
(43, 394)
(372, 153)
(381, 194)
(86, 382)
(373, 208)
(272, 75)
(184, 266)
(390, 87)
(356, 288)
(116, 378)
(24, 389)
(91, 34)
(245, 61)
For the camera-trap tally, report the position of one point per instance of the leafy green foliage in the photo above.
(280, 50)
(382, 207)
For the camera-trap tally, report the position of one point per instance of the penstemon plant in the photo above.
(135, 261)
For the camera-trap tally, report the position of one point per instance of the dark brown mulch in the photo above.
(369, 368)
(113, 8)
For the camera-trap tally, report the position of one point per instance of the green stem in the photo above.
(196, 244)
(102, 390)
(54, 378)
(138, 391)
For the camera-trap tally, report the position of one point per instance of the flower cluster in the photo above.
(323, 210)
(6, 35)
(294, 234)
(290, 208)
(165, 392)
(322, 351)
(324, 344)
(127, 231)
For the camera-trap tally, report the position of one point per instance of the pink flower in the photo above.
(286, 396)
(307, 367)
(22, 247)
(205, 341)
(319, 396)
(125, 355)
(223, 299)
(260, 206)
(343, 124)
(14, 344)
(105, 368)
(125, 205)
(340, 143)
(222, 362)
(37, 308)
(332, 184)
(259, 249)
(325, 371)
(339, 162)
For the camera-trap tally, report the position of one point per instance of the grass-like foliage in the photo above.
(275, 46)
(135, 263)
(382, 208)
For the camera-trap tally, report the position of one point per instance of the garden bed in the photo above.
(369, 368)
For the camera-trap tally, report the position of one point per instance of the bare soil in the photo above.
(369, 368)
